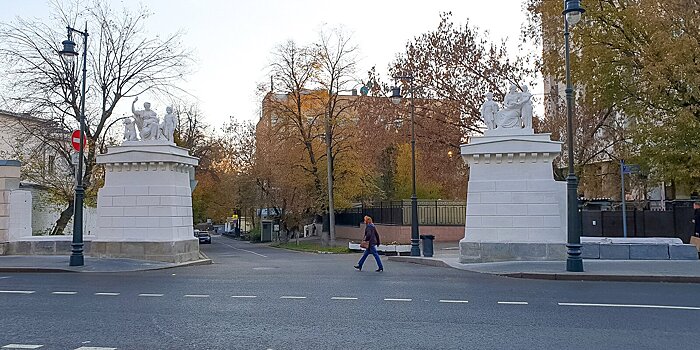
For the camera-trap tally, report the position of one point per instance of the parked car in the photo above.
(203, 236)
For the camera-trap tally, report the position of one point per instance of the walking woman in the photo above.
(372, 239)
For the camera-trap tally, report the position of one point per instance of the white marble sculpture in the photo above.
(129, 130)
(146, 120)
(516, 112)
(167, 127)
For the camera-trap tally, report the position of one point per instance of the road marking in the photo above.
(107, 294)
(94, 348)
(244, 296)
(633, 306)
(247, 251)
(64, 293)
(343, 298)
(150, 295)
(291, 297)
(397, 299)
(454, 301)
(21, 346)
(513, 302)
(196, 295)
(16, 291)
(3, 277)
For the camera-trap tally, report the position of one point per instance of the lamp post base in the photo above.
(574, 263)
(76, 257)
(415, 248)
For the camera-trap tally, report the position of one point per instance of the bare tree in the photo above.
(122, 63)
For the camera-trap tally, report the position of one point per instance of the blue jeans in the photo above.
(373, 251)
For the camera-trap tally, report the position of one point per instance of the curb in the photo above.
(204, 261)
(556, 276)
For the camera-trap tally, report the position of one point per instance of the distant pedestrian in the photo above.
(696, 218)
(372, 239)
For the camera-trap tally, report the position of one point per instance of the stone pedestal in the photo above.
(9, 180)
(145, 207)
(515, 209)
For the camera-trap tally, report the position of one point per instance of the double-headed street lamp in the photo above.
(396, 99)
(572, 15)
(68, 54)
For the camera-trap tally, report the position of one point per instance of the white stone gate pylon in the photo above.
(145, 207)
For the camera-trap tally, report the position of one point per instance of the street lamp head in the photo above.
(573, 11)
(395, 95)
(68, 53)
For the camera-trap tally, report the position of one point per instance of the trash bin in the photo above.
(427, 245)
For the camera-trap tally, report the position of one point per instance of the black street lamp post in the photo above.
(68, 54)
(572, 15)
(396, 99)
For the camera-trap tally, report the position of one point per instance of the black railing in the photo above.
(430, 213)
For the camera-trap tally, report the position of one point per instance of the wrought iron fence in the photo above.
(430, 213)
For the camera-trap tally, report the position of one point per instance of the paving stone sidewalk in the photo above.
(681, 271)
(59, 263)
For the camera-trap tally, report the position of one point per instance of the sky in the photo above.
(232, 39)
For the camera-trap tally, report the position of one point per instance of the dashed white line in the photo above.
(244, 296)
(17, 291)
(94, 348)
(64, 293)
(291, 297)
(21, 346)
(107, 294)
(3, 277)
(150, 295)
(633, 306)
(513, 302)
(343, 298)
(196, 295)
(397, 299)
(454, 301)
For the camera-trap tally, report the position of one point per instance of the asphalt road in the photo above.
(256, 297)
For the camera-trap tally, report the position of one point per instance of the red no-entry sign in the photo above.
(75, 140)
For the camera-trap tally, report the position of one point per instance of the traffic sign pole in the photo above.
(624, 208)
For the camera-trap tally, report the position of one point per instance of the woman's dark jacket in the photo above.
(371, 235)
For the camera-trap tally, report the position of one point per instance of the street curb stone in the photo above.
(556, 276)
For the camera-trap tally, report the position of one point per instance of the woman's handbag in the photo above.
(364, 244)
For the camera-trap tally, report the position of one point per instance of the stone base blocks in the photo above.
(515, 209)
(145, 208)
(637, 249)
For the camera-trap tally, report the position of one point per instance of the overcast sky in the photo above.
(232, 39)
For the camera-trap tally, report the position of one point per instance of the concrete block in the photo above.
(552, 221)
(64, 247)
(124, 201)
(511, 235)
(171, 200)
(163, 211)
(556, 252)
(542, 209)
(682, 252)
(187, 200)
(20, 248)
(183, 191)
(510, 185)
(9, 171)
(4, 222)
(528, 251)
(43, 248)
(496, 221)
(4, 247)
(614, 251)
(138, 211)
(162, 190)
(184, 211)
(527, 197)
(495, 252)
(528, 221)
(473, 220)
(146, 201)
(111, 211)
(496, 197)
(511, 209)
(473, 198)
(481, 186)
(590, 250)
(104, 221)
(482, 209)
(134, 250)
(136, 190)
(540, 185)
(112, 191)
(104, 201)
(648, 251)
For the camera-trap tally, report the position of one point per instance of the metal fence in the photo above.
(430, 213)
(676, 221)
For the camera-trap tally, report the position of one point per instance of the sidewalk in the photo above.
(59, 263)
(680, 271)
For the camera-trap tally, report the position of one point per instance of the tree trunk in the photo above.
(63, 219)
